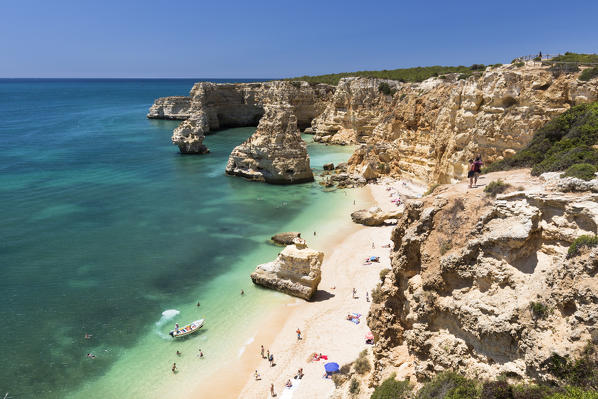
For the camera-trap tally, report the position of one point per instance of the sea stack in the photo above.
(275, 153)
(296, 271)
(189, 135)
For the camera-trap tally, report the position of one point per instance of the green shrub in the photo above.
(582, 372)
(462, 76)
(532, 391)
(338, 379)
(362, 364)
(584, 241)
(417, 74)
(384, 88)
(519, 64)
(496, 65)
(588, 74)
(477, 67)
(583, 171)
(497, 390)
(539, 310)
(377, 295)
(392, 389)
(449, 385)
(383, 273)
(496, 187)
(575, 393)
(354, 386)
(564, 141)
(575, 57)
(538, 58)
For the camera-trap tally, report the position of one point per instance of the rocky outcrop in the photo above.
(296, 271)
(424, 131)
(175, 107)
(484, 287)
(215, 106)
(375, 216)
(285, 238)
(275, 153)
(427, 131)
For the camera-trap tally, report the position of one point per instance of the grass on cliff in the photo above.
(584, 241)
(577, 379)
(588, 74)
(568, 139)
(577, 57)
(417, 74)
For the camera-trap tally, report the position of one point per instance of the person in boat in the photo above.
(176, 327)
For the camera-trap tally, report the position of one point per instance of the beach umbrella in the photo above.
(369, 336)
(331, 367)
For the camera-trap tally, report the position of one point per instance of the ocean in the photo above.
(107, 230)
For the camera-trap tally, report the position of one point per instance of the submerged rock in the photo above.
(275, 153)
(285, 238)
(328, 166)
(296, 271)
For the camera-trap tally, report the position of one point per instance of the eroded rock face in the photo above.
(174, 107)
(296, 271)
(215, 106)
(464, 277)
(275, 153)
(427, 131)
(375, 216)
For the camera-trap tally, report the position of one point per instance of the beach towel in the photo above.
(356, 318)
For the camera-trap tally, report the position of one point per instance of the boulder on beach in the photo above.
(375, 216)
(296, 271)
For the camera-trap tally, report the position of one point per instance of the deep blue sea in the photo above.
(104, 226)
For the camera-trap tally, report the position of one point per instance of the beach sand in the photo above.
(322, 321)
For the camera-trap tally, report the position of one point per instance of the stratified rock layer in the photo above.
(466, 273)
(175, 107)
(296, 271)
(275, 153)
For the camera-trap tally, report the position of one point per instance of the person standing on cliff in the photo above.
(477, 169)
(471, 173)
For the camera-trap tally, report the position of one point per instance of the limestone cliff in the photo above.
(275, 153)
(484, 286)
(215, 106)
(296, 271)
(424, 131)
(427, 131)
(174, 107)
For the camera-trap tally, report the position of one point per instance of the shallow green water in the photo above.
(105, 226)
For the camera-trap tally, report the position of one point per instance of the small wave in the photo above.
(166, 315)
(248, 342)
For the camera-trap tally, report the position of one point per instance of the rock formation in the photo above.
(375, 216)
(427, 131)
(275, 153)
(485, 287)
(285, 238)
(422, 131)
(175, 107)
(296, 271)
(214, 106)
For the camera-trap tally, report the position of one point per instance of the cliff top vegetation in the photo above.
(417, 74)
(565, 143)
(577, 57)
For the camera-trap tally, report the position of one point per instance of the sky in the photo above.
(274, 39)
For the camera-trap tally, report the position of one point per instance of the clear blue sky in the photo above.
(270, 39)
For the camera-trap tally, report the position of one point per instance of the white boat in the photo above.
(187, 330)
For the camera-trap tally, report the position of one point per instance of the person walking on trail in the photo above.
(477, 169)
(471, 173)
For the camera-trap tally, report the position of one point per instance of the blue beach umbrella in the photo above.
(331, 367)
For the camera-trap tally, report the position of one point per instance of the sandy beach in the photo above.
(323, 324)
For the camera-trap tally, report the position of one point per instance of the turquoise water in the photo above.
(105, 226)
